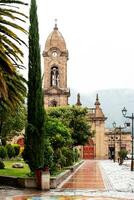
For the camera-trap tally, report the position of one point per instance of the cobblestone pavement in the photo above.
(82, 185)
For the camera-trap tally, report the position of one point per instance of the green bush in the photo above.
(63, 161)
(48, 155)
(10, 151)
(3, 141)
(76, 154)
(2, 165)
(69, 155)
(122, 155)
(3, 152)
(16, 149)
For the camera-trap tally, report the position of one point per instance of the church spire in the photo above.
(55, 27)
(97, 103)
(78, 100)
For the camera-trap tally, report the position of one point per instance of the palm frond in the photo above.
(4, 2)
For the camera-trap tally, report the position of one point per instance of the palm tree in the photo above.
(10, 53)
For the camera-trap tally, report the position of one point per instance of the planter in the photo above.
(38, 177)
(45, 180)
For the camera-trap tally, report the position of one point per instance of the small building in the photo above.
(115, 140)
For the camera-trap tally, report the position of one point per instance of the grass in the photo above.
(16, 172)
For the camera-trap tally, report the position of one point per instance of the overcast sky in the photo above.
(99, 35)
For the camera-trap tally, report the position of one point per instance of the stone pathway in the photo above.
(61, 198)
(79, 186)
(88, 176)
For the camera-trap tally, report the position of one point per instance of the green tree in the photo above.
(35, 130)
(12, 122)
(10, 53)
(16, 91)
(74, 118)
(16, 149)
(58, 134)
(59, 138)
(10, 151)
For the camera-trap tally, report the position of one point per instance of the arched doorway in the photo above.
(53, 103)
(89, 150)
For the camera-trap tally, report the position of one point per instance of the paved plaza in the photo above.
(89, 182)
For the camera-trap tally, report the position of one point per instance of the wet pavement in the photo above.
(81, 185)
(63, 198)
(87, 177)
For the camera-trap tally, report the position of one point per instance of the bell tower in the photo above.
(55, 56)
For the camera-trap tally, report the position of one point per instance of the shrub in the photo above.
(10, 151)
(16, 149)
(2, 165)
(3, 141)
(76, 154)
(122, 155)
(69, 155)
(63, 161)
(48, 155)
(3, 152)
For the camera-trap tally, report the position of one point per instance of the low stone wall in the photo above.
(9, 180)
(30, 182)
(55, 181)
(18, 182)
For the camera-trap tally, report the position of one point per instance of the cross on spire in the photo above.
(55, 27)
(97, 103)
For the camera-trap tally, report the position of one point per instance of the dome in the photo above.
(55, 39)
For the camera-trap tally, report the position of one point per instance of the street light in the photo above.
(124, 112)
(114, 125)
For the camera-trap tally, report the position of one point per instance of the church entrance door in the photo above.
(89, 151)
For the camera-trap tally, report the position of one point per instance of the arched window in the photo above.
(53, 103)
(54, 76)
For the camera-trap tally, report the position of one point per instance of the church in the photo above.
(56, 93)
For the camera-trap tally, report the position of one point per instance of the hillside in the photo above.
(112, 102)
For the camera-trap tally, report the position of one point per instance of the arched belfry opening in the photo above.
(54, 81)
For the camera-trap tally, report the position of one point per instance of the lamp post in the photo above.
(124, 112)
(114, 125)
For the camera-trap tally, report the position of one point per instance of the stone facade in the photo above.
(55, 56)
(107, 141)
(56, 93)
(116, 140)
(96, 120)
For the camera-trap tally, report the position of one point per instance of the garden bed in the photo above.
(30, 182)
(15, 172)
